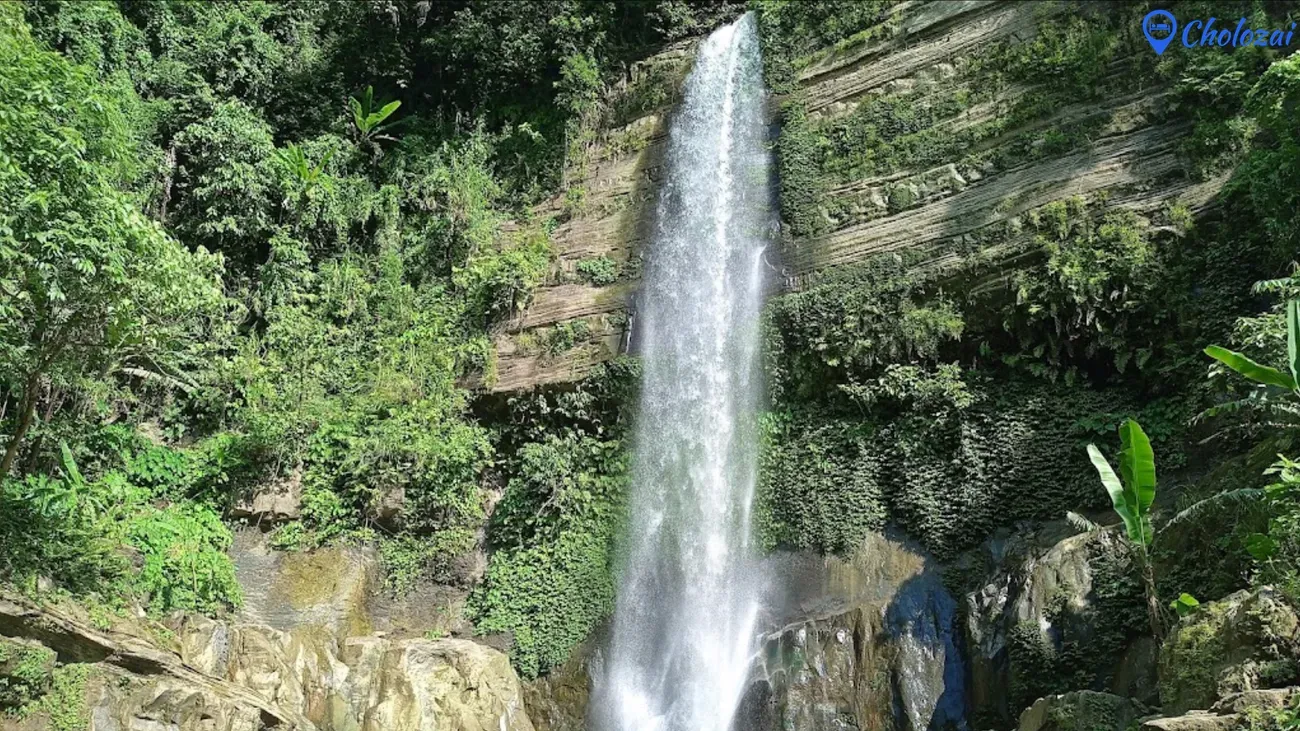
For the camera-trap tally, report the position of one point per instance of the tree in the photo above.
(88, 284)
(1132, 497)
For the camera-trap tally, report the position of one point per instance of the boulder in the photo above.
(557, 701)
(867, 643)
(1040, 621)
(1082, 710)
(276, 501)
(411, 685)
(1247, 641)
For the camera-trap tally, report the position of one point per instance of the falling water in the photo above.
(684, 627)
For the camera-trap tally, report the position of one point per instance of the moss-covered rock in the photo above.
(26, 669)
(1081, 710)
(557, 701)
(1058, 613)
(1246, 641)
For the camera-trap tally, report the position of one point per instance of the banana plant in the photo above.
(1132, 493)
(367, 119)
(1278, 402)
(295, 160)
(1262, 373)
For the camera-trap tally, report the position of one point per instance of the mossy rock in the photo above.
(1246, 641)
(1081, 710)
(26, 669)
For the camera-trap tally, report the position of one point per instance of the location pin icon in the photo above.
(1159, 27)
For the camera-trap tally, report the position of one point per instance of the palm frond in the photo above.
(1230, 498)
(171, 381)
(1080, 523)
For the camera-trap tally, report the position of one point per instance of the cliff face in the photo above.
(929, 135)
(935, 131)
(579, 317)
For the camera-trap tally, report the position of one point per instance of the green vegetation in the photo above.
(65, 703)
(1088, 648)
(793, 31)
(25, 672)
(31, 684)
(598, 270)
(247, 244)
(1132, 498)
(550, 579)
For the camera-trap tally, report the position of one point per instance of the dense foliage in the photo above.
(257, 244)
(251, 245)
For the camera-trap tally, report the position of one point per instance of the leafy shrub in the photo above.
(184, 564)
(64, 529)
(822, 489)
(550, 581)
(1092, 293)
(24, 673)
(549, 596)
(598, 270)
(942, 454)
(851, 324)
(408, 559)
(561, 483)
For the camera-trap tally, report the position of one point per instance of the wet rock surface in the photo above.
(867, 643)
(1043, 617)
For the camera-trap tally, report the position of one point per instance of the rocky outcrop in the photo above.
(318, 645)
(340, 588)
(276, 501)
(1036, 624)
(131, 683)
(238, 677)
(1082, 710)
(1244, 642)
(330, 587)
(1251, 709)
(867, 643)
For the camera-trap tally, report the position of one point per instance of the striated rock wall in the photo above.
(938, 130)
(579, 317)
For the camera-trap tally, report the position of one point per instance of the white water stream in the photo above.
(684, 632)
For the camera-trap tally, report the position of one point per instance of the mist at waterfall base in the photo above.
(696, 608)
(684, 629)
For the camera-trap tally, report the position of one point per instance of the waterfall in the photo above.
(684, 631)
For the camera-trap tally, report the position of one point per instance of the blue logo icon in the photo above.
(1159, 27)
